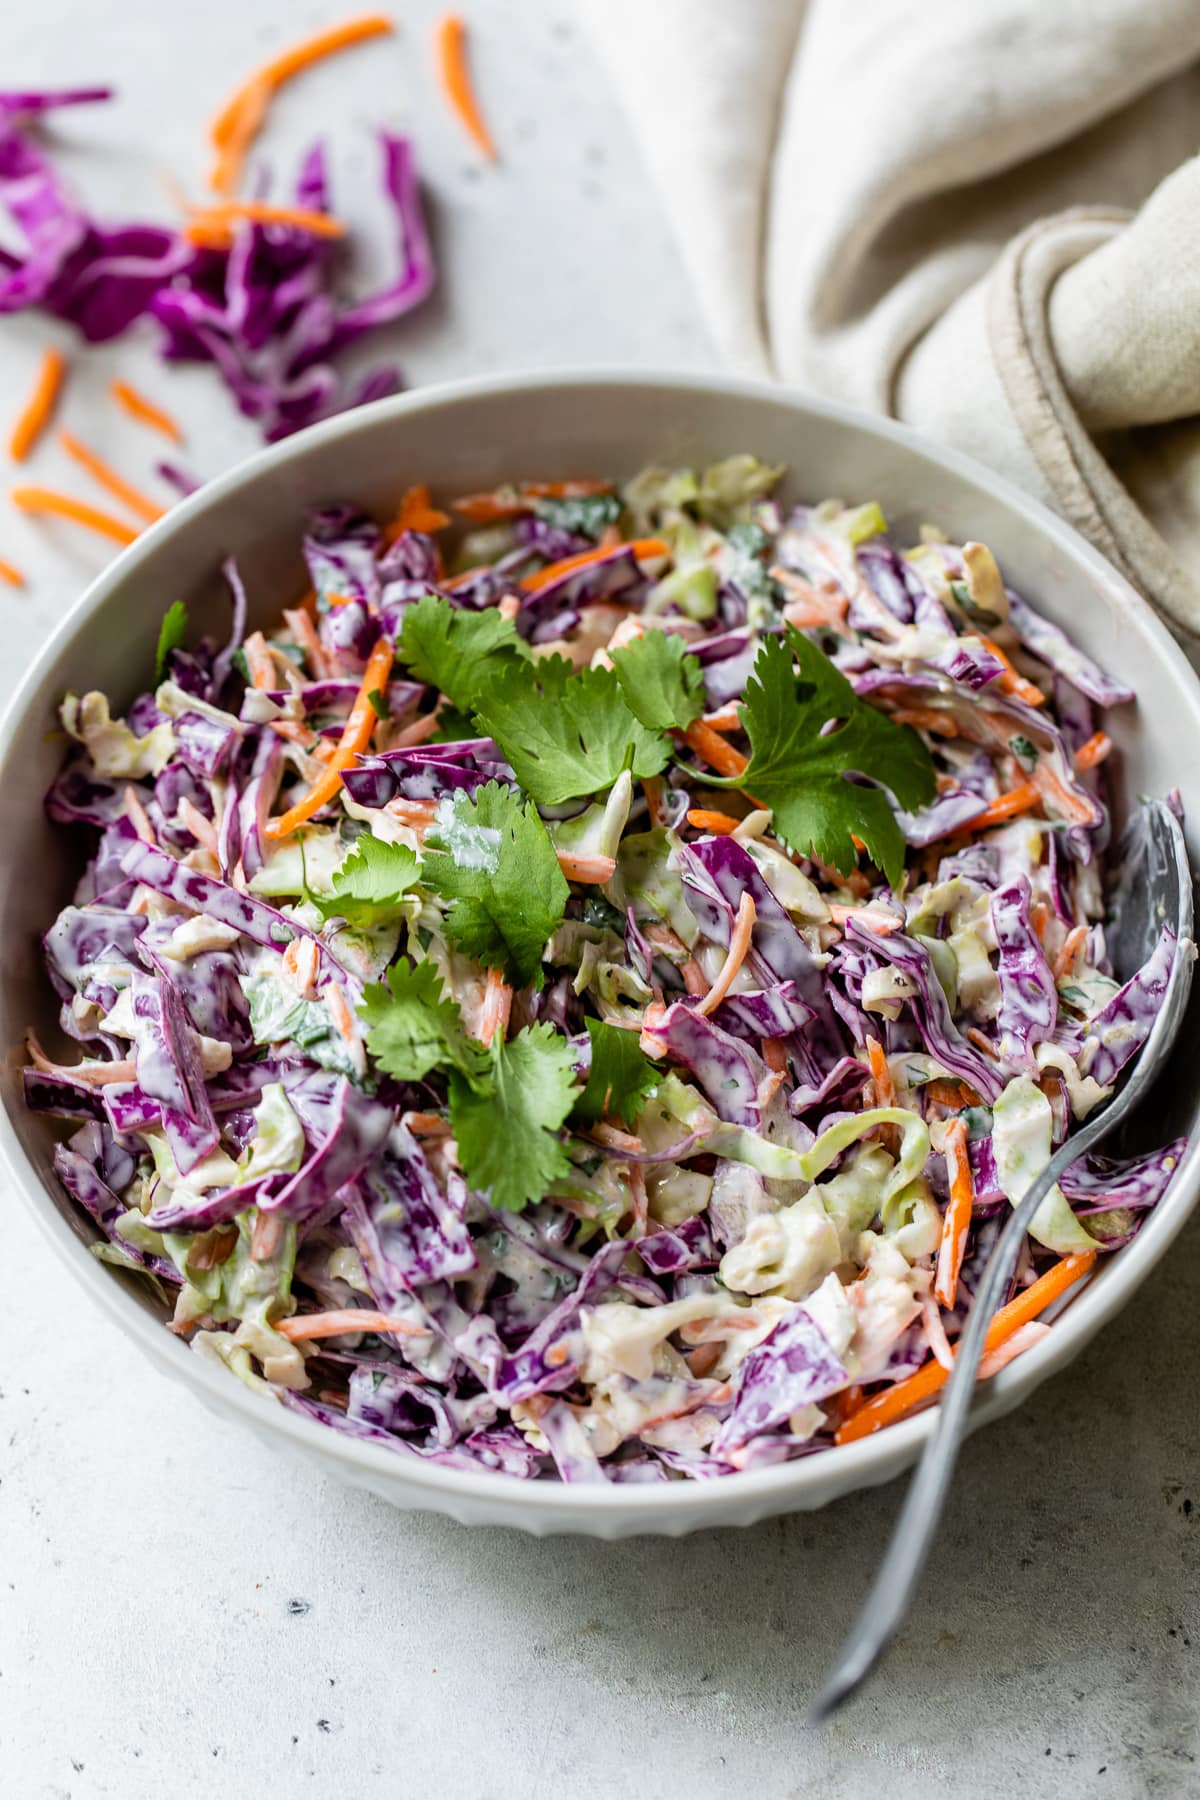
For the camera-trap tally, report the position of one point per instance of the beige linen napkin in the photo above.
(982, 216)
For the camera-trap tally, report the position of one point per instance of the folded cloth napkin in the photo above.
(981, 216)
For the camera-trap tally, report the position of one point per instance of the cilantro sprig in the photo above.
(414, 1026)
(171, 634)
(492, 858)
(567, 734)
(370, 883)
(458, 652)
(507, 1115)
(662, 683)
(620, 1079)
(798, 768)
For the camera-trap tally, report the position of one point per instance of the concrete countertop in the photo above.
(184, 1612)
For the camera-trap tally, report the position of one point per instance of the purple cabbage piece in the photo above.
(716, 872)
(570, 1446)
(955, 807)
(169, 1068)
(794, 1366)
(834, 1091)
(726, 661)
(551, 542)
(638, 950)
(527, 1371)
(764, 1013)
(417, 1231)
(541, 613)
(338, 696)
(211, 992)
(727, 1070)
(683, 1247)
(412, 556)
(1055, 649)
(1099, 1184)
(340, 548)
(426, 772)
(1028, 997)
(77, 797)
(889, 579)
(416, 278)
(204, 893)
(59, 1095)
(83, 936)
(349, 634)
(357, 1130)
(244, 822)
(1120, 1028)
(37, 100)
(939, 1033)
(203, 744)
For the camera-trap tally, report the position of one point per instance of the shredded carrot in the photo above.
(497, 1006)
(1073, 943)
(729, 718)
(239, 120)
(642, 548)
(1072, 805)
(343, 1320)
(957, 1221)
(417, 513)
(935, 1332)
(774, 1054)
(718, 823)
(456, 83)
(927, 718)
(509, 503)
(118, 487)
(577, 866)
(872, 918)
(65, 506)
(12, 576)
(896, 1402)
(211, 227)
(339, 1012)
(356, 735)
(1016, 1345)
(739, 944)
(956, 1094)
(35, 414)
(881, 1074)
(202, 829)
(716, 752)
(1093, 752)
(694, 979)
(652, 787)
(1012, 681)
(809, 606)
(426, 1124)
(1007, 806)
(144, 411)
(1039, 918)
(137, 815)
(304, 631)
(982, 1041)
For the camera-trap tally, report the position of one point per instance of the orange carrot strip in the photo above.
(729, 718)
(641, 547)
(239, 120)
(144, 411)
(1012, 681)
(65, 506)
(739, 944)
(652, 787)
(34, 416)
(577, 866)
(718, 823)
(896, 1402)
(356, 735)
(1007, 806)
(926, 718)
(716, 752)
(343, 1320)
(122, 490)
(951, 1093)
(694, 978)
(416, 513)
(871, 918)
(497, 1006)
(1073, 943)
(957, 1221)
(881, 1074)
(501, 503)
(12, 576)
(1094, 751)
(211, 227)
(774, 1054)
(456, 83)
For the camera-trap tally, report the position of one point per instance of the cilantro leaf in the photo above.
(800, 774)
(506, 1120)
(492, 858)
(585, 513)
(171, 634)
(457, 652)
(414, 1026)
(567, 734)
(370, 882)
(663, 686)
(619, 1080)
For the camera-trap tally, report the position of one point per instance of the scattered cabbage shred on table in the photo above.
(579, 993)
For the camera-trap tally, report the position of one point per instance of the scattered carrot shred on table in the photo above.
(456, 83)
(144, 411)
(35, 415)
(122, 490)
(65, 506)
(13, 577)
(238, 123)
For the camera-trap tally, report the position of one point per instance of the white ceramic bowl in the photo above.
(473, 435)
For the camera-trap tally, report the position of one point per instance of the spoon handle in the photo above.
(891, 1593)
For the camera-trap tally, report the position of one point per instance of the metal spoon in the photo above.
(1154, 889)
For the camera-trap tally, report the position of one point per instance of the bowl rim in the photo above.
(862, 1463)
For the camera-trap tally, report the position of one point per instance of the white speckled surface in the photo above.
(183, 1612)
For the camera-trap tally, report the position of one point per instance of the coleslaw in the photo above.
(578, 994)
